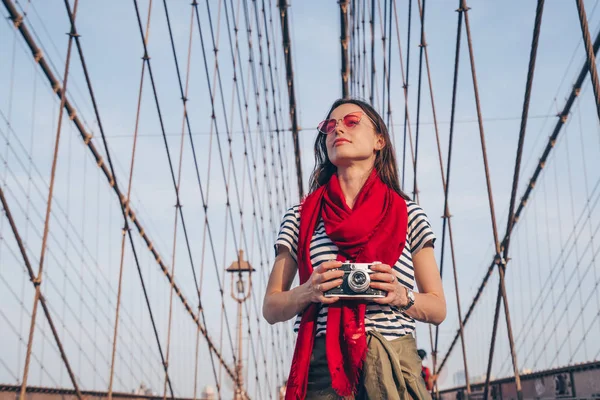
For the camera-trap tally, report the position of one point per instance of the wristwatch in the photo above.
(411, 300)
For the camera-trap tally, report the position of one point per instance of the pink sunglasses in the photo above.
(349, 120)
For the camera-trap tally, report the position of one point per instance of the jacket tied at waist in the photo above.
(392, 371)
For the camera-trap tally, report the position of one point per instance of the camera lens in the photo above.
(358, 281)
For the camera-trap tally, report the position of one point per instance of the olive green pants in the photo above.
(392, 371)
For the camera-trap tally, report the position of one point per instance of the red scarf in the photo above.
(374, 230)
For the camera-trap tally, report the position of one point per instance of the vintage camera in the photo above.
(356, 281)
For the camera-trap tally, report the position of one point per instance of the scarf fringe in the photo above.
(345, 385)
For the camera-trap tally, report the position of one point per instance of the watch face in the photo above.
(411, 296)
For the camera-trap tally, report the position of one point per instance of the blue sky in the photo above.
(112, 47)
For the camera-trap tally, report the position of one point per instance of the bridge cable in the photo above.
(129, 186)
(510, 223)
(79, 289)
(38, 278)
(40, 296)
(279, 157)
(114, 181)
(447, 214)
(446, 217)
(58, 227)
(531, 183)
(406, 90)
(108, 174)
(550, 282)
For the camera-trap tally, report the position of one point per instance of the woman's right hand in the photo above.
(323, 279)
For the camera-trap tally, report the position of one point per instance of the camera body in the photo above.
(356, 282)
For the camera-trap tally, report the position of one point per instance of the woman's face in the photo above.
(351, 145)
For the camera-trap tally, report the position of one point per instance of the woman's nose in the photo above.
(339, 128)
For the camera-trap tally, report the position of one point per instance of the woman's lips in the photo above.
(340, 141)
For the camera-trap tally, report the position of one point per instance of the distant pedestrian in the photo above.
(425, 371)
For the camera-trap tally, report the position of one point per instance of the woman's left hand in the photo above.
(385, 279)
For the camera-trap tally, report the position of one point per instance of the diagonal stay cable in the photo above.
(446, 181)
(498, 259)
(212, 94)
(447, 215)
(204, 198)
(552, 278)
(406, 88)
(590, 53)
(587, 191)
(80, 248)
(267, 118)
(129, 187)
(218, 73)
(74, 267)
(536, 307)
(212, 97)
(273, 65)
(15, 331)
(42, 299)
(255, 85)
(226, 177)
(563, 116)
(114, 184)
(178, 210)
(256, 214)
(513, 197)
(86, 136)
(172, 172)
(263, 247)
(280, 143)
(272, 81)
(38, 278)
(186, 123)
(570, 297)
(278, 182)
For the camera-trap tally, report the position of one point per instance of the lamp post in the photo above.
(241, 293)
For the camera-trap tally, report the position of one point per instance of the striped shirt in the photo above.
(386, 319)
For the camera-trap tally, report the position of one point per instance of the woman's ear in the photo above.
(380, 143)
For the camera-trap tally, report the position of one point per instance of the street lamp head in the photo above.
(240, 265)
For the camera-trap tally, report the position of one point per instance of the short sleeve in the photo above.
(288, 231)
(419, 228)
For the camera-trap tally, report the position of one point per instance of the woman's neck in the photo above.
(352, 179)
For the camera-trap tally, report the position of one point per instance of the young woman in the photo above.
(355, 212)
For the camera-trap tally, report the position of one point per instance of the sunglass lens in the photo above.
(351, 120)
(327, 126)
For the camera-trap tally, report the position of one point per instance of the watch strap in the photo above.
(411, 300)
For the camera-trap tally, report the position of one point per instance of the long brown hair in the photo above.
(385, 159)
